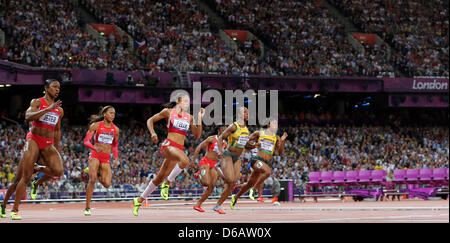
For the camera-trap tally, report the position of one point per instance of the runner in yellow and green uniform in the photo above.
(229, 160)
(267, 142)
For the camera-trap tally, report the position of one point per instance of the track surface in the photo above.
(246, 211)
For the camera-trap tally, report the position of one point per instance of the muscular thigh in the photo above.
(30, 154)
(105, 172)
(52, 157)
(237, 170)
(227, 168)
(172, 153)
(94, 165)
(261, 167)
(254, 176)
(212, 176)
(205, 173)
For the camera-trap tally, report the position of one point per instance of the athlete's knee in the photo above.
(106, 184)
(229, 181)
(210, 187)
(157, 180)
(183, 163)
(58, 171)
(26, 178)
(92, 179)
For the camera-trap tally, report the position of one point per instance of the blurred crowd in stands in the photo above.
(300, 37)
(308, 148)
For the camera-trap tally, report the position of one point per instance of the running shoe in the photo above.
(86, 170)
(3, 212)
(33, 192)
(233, 201)
(165, 191)
(218, 209)
(136, 205)
(200, 209)
(15, 215)
(251, 194)
(260, 199)
(275, 199)
(87, 212)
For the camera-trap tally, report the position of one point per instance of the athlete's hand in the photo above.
(220, 155)
(56, 104)
(96, 148)
(258, 145)
(154, 138)
(201, 113)
(284, 136)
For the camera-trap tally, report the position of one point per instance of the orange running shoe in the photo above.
(200, 209)
(218, 209)
(275, 199)
(260, 199)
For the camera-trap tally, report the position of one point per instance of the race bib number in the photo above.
(180, 124)
(105, 138)
(267, 145)
(254, 151)
(242, 140)
(49, 118)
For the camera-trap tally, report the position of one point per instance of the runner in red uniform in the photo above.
(45, 115)
(106, 141)
(175, 160)
(208, 173)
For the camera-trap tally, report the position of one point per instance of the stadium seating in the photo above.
(412, 176)
(425, 175)
(438, 176)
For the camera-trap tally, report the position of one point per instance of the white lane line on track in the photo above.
(386, 218)
(171, 207)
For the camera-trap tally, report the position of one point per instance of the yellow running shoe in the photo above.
(15, 215)
(233, 201)
(251, 194)
(33, 192)
(3, 212)
(136, 205)
(86, 170)
(165, 191)
(87, 212)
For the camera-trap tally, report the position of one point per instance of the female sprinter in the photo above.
(230, 162)
(208, 173)
(268, 141)
(175, 160)
(106, 141)
(43, 139)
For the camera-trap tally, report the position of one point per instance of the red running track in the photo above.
(246, 211)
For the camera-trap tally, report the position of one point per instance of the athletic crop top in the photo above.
(49, 119)
(267, 142)
(104, 134)
(240, 137)
(178, 124)
(215, 145)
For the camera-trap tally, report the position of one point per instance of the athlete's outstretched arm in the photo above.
(250, 144)
(230, 129)
(165, 113)
(201, 146)
(280, 143)
(57, 137)
(115, 148)
(90, 134)
(33, 112)
(197, 127)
